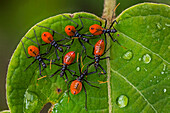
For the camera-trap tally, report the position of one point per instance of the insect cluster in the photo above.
(99, 49)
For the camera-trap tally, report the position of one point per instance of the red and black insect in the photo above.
(48, 38)
(77, 84)
(73, 33)
(67, 61)
(33, 51)
(98, 52)
(96, 29)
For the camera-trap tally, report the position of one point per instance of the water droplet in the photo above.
(122, 101)
(162, 72)
(30, 101)
(158, 39)
(157, 81)
(128, 55)
(159, 26)
(146, 58)
(138, 69)
(153, 92)
(154, 76)
(150, 80)
(168, 47)
(164, 90)
(140, 59)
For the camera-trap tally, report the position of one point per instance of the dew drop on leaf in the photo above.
(138, 69)
(122, 101)
(146, 58)
(128, 55)
(164, 90)
(140, 59)
(162, 72)
(159, 26)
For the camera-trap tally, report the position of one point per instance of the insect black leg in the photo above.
(55, 72)
(71, 71)
(53, 31)
(105, 58)
(40, 68)
(90, 84)
(81, 24)
(112, 24)
(61, 40)
(48, 51)
(72, 21)
(66, 77)
(31, 40)
(73, 63)
(30, 65)
(37, 39)
(105, 22)
(93, 20)
(90, 64)
(82, 45)
(25, 50)
(85, 96)
(56, 64)
(79, 65)
(92, 72)
(105, 40)
(102, 69)
(114, 40)
(106, 51)
(58, 58)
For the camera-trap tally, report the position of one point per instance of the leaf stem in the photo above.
(108, 13)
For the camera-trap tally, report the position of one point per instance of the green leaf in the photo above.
(141, 72)
(138, 74)
(139, 79)
(24, 92)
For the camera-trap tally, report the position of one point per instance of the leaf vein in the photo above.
(134, 88)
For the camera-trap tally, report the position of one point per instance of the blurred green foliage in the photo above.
(17, 17)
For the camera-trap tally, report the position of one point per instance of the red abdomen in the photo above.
(69, 57)
(75, 87)
(99, 47)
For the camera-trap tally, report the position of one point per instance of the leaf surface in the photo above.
(138, 73)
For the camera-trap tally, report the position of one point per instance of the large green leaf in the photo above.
(141, 72)
(143, 30)
(24, 93)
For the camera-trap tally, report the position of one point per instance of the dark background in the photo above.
(18, 16)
